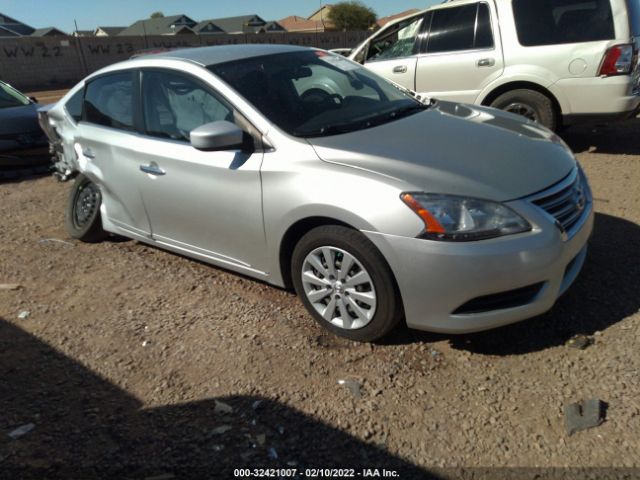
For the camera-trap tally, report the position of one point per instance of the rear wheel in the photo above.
(530, 104)
(345, 283)
(82, 217)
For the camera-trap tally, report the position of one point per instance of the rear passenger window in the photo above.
(109, 101)
(74, 105)
(484, 36)
(452, 29)
(552, 22)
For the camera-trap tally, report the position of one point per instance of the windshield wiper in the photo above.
(428, 101)
(374, 121)
(332, 129)
(408, 110)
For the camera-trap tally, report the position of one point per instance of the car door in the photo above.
(392, 53)
(105, 142)
(461, 53)
(206, 203)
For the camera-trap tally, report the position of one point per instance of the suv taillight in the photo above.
(618, 60)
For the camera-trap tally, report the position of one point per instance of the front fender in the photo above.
(314, 188)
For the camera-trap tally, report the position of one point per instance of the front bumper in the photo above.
(437, 278)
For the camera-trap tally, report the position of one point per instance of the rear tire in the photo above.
(345, 283)
(530, 104)
(82, 217)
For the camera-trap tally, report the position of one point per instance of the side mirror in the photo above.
(217, 136)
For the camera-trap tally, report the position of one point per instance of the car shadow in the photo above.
(605, 292)
(611, 138)
(77, 424)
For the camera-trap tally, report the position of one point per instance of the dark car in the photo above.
(20, 133)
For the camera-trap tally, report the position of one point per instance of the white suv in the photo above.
(554, 61)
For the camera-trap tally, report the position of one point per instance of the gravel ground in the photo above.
(134, 363)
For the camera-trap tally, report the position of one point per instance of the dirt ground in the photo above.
(130, 362)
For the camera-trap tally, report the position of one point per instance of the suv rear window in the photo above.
(460, 28)
(452, 29)
(552, 22)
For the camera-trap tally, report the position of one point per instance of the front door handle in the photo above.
(87, 152)
(152, 170)
(400, 69)
(486, 62)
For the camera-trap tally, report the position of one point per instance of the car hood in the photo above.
(456, 149)
(16, 120)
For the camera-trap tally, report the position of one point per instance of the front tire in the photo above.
(345, 283)
(530, 104)
(82, 216)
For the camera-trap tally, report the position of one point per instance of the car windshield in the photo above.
(314, 93)
(10, 97)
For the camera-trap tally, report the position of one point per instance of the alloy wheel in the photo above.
(339, 287)
(522, 109)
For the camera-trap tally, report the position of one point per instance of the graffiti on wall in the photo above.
(65, 60)
(112, 49)
(41, 51)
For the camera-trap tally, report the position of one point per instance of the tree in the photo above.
(157, 15)
(351, 15)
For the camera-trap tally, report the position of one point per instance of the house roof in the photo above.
(323, 11)
(383, 21)
(294, 23)
(158, 26)
(83, 33)
(48, 32)
(241, 24)
(206, 27)
(111, 31)
(15, 26)
(273, 26)
(181, 30)
(5, 32)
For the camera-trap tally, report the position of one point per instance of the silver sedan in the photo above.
(300, 168)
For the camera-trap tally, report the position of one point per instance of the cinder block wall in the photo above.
(59, 62)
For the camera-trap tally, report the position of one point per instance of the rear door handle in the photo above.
(152, 170)
(87, 152)
(486, 62)
(400, 69)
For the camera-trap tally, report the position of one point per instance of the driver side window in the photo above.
(399, 41)
(174, 104)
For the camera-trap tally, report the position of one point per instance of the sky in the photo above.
(92, 13)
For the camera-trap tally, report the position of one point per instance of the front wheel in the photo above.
(530, 104)
(82, 217)
(345, 283)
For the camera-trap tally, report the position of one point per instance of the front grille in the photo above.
(500, 301)
(565, 203)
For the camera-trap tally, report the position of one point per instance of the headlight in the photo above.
(460, 219)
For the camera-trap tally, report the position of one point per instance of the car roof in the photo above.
(224, 53)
